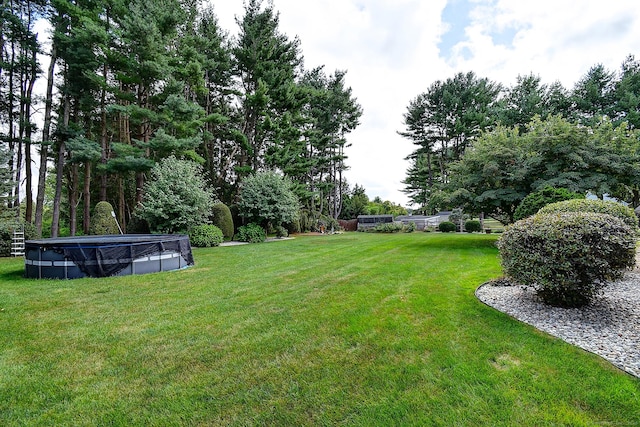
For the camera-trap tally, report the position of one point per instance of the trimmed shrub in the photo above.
(102, 220)
(221, 218)
(251, 233)
(205, 236)
(447, 227)
(388, 227)
(535, 201)
(615, 209)
(567, 257)
(472, 226)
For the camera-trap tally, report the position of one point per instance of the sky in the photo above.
(393, 50)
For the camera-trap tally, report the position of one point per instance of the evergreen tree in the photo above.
(443, 122)
(19, 70)
(266, 62)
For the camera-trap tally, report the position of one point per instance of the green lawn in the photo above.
(354, 329)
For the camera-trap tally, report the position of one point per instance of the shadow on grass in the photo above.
(457, 242)
(12, 275)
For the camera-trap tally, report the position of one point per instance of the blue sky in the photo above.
(395, 49)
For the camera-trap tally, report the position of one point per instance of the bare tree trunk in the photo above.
(73, 200)
(44, 147)
(121, 203)
(55, 223)
(103, 137)
(86, 195)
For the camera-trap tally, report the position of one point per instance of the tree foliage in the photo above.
(538, 199)
(176, 197)
(443, 122)
(504, 166)
(267, 198)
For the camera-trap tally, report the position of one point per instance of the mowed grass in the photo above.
(354, 329)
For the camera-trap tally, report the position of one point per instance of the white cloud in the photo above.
(390, 50)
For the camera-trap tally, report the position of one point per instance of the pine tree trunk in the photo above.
(73, 200)
(86, 196)
(55, 223)
(44, 147)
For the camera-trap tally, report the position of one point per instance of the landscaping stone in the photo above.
(609, 327)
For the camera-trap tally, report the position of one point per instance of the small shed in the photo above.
(366, 222)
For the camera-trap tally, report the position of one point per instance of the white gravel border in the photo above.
(609, 327)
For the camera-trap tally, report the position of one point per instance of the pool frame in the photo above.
(103, 256)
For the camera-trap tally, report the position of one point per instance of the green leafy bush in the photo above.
(102, 220)
(472, 226)
(267, 197)
(281, 232)
(329, 223)
(251, 233)
(535, 201)
(306, 221)
(7, 228)
(221, 218)
(410, 227)
(205, 236)
(388, 227)
(447, 227)
(176, 197)
(615, 209)
(567, 257)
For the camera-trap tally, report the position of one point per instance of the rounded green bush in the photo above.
(472, 226)
(567, 257)
(531, 204)
(205, 236)
(410, 227)
(447, 227)
(221, 217)
(102, 220)
(618, 210)
(251, 233)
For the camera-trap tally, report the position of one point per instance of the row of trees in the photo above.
(484, 147)
(132, 82)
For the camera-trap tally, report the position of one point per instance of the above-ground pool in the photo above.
(102, 256)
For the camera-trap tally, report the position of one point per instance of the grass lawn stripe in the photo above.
(352, 329)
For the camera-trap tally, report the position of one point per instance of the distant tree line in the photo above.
(132, 82)
(485, 147)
